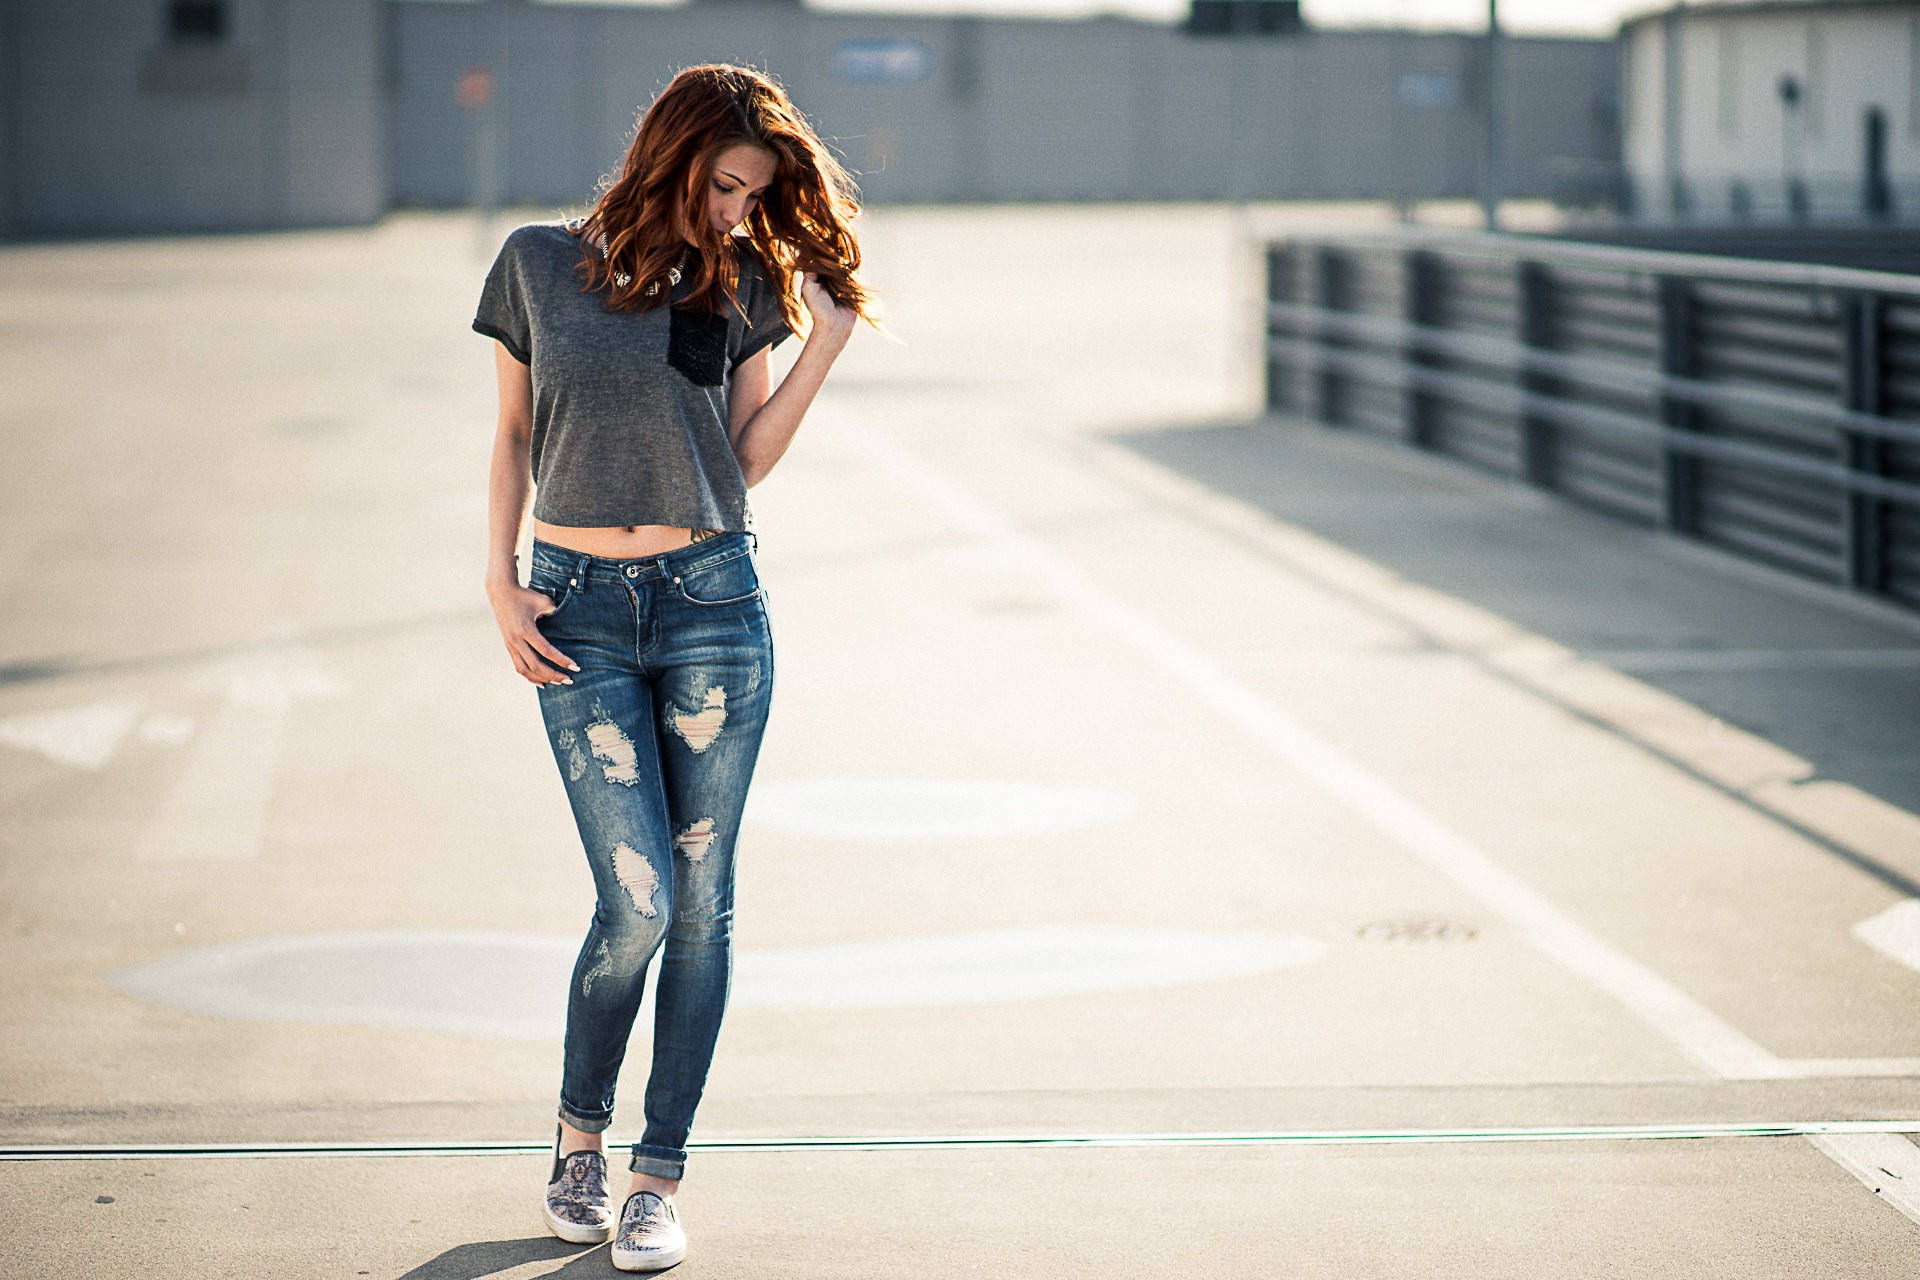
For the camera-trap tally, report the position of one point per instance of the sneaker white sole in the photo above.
(574, 1232)
(654, 1260)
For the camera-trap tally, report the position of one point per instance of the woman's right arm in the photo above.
(511, 476)
(510, 480)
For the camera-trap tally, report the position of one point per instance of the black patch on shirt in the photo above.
(697, 346)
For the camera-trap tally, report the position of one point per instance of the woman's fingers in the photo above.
(544, 647)
(539, 644)
(522, 659)
(536, 673)
(534, 656)
(529, 635)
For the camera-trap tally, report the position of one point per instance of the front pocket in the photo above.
(729, 581)
(697, 346)
(558, 590)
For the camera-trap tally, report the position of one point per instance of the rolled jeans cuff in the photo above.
(661, 1162)
(585, 1124)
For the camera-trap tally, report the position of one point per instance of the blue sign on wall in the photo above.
(882, 61)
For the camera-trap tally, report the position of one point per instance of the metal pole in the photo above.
(1490, 173)
(1671, 109)
(486, 144)
(1865, 517)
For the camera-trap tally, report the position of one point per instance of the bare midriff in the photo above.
(620, 541)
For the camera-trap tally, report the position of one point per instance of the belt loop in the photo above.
(753, 542)
(580, 572)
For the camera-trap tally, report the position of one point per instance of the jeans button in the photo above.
(633, 571)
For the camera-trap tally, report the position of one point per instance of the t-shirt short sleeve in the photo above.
(766, 326)
(502, 313)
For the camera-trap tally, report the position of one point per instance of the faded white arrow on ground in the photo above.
(86, 737)
(218, 805)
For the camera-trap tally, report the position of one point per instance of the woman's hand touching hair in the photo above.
(831, 319)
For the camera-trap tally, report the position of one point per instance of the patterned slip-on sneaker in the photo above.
(577, 1207)
(650, 1237)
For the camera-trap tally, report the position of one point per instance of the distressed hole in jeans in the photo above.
(602, 966)
(696, 839)
(614, 749)
(637, 876)
(699, 728)
(576, 758)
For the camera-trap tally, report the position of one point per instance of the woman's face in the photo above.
(740, 174)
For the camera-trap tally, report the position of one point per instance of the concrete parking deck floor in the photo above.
(1735, 1208)
(1140, 764)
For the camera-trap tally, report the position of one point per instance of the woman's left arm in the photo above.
(761, 426)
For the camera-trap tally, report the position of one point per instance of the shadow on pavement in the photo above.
(1589, 582)
(491, 1257)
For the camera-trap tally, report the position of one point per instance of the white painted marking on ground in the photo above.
(1895, 932)
(85, 737)
(1689, 1025)
(506, 985)
(1885, 1163)
(471, 982)
(909, 808)
(1008, 964)
(1696, 1030)
(217, 807)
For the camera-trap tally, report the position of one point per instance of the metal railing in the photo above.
(1770, 409)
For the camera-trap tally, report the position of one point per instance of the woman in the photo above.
(640, 405)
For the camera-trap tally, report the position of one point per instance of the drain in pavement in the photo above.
(1415, 930)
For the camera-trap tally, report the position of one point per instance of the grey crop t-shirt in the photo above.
(629, 408)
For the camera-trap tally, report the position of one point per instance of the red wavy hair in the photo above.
(658, 204)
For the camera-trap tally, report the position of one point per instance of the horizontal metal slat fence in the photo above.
(1770, 409)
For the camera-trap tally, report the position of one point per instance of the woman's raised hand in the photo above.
(515, 609)
(830, 319)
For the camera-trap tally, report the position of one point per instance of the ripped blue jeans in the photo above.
(656, 740)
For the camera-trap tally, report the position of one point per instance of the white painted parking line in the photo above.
(1694, 1029)
(1887, 1163)
(1894, 933)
